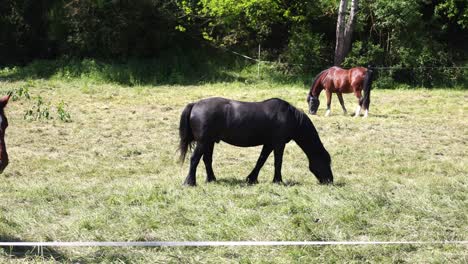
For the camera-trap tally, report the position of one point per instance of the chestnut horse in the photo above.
(271, 123)
(3, 126)
(339, 81)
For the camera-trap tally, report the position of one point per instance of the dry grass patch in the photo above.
(111, 174)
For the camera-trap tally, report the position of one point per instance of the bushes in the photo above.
(165, 41)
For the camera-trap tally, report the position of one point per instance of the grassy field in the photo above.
(111, 174)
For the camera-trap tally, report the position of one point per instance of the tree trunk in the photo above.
(340, 30)
(344, 32)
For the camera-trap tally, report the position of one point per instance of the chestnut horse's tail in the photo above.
(367, 85)
(185, 132)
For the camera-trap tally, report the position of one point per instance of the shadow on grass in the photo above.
(232, 182)
(29, 251)
(243, 182)
(292, 183)
(339, 184)
(108, 255)
(385, 116)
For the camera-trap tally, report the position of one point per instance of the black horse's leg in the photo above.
(340, 98)
(194, 160)
(266, 150)
(208, 160)
(279, 150)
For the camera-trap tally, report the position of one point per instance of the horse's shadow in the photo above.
(339, 184)
(385, 116)
(29, 251)
(232, 182)
(380, 116)
(243, 182)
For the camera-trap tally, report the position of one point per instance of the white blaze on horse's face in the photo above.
(313, 105)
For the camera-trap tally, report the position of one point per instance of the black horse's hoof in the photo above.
(211, 179)
(278, 181)
(251, 181)
(189, 183)
(326, 182)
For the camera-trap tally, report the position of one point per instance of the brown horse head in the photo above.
(314, 93)
(3, 126)
(314, 103)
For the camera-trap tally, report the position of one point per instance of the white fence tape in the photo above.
(220, 243)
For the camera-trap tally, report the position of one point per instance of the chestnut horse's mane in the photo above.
(314, 84)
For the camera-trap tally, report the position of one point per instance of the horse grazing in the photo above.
(271, 123)
(3, 126)
(339, 81)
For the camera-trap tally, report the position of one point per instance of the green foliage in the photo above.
(306, 50)
(38, 111)
(41, 110)
(364, 53)
(171, 68)
(22, 92)
(456, 11)
(173, 36)
(396, 15)
(62, 113)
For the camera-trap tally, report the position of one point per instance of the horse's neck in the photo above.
(308, 139)
(317, 86)
(315, 91)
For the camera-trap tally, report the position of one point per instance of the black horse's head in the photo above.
(313, 104)
(3, 126)
(321, 168)
(308, 140)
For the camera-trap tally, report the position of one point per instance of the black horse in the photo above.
(271, 123)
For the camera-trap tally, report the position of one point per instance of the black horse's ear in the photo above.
(4, 100)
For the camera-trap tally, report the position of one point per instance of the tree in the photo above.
(344, 30)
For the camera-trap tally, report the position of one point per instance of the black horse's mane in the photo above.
(302, 122)
(300, 116)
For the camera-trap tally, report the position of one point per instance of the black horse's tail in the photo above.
(185, 132)
(367, 85)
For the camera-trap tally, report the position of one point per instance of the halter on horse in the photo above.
(339, 81)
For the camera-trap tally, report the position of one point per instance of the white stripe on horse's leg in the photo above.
(366, 113)
(358, 111)
(328, 112)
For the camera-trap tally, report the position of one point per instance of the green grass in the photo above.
(111, 174)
